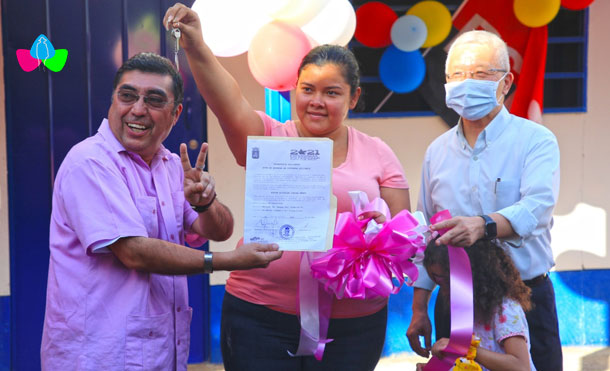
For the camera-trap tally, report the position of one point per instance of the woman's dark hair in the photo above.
(339, 56)
(153, 63)
(494, 276)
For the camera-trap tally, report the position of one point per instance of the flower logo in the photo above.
(42, 50)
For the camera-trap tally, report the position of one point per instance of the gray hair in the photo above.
(484, 38)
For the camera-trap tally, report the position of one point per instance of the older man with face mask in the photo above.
(498, 174)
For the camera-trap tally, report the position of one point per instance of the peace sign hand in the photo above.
(198, 184)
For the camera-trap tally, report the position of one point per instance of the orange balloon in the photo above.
(536, 13)
(276, 53)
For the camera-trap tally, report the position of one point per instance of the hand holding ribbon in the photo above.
(462, 311)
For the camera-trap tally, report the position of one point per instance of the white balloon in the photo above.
(408, 33)
(295, 12)
(335, 24)
(228, 26)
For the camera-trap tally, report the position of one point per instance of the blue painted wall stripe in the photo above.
(583, 304)
(5, 333)
(216, 295)
(582, 297)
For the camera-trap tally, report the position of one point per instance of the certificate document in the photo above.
(289, 197)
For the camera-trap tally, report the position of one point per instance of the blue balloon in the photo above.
(42, 48)
(401, 72)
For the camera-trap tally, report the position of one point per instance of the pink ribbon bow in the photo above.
(360, 265)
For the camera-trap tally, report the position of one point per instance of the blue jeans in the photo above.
(254, 337)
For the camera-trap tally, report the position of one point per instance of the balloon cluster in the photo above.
(277, 34)
(428, 23)
(537, 13)
(402, 68)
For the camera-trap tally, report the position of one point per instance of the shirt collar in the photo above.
(459, 135)
(497, 125)
(491, 132)
(105, 131)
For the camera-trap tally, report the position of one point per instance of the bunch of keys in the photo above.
(176, 35)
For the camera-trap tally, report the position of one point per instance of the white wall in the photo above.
(582, 222)
(581, 216)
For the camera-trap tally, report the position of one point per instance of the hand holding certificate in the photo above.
(289, 197)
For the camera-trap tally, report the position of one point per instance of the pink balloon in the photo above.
(275, 54)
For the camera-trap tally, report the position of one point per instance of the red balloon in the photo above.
(374, 22)
(576, 4)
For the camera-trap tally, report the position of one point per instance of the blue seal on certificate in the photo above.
(286, 231)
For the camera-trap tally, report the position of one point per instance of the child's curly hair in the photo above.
(494, 276)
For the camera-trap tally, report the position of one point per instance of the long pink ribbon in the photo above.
(462, 311)
(358, 266)
(314, 305)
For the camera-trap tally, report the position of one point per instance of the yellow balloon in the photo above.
(536, 13)
(437, 18)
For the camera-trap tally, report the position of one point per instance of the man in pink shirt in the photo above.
(123, 206)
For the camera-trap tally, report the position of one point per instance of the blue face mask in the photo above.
(472, 99)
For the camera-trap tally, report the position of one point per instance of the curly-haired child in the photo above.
(500, 298)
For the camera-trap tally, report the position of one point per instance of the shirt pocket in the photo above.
(149, 342)
(147, 206)
(183, 334)
(507, 193)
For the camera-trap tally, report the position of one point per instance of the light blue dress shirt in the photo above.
(512, 170)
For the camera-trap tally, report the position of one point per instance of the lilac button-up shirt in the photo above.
(99, 314)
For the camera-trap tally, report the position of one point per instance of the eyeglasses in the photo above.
(477, 75)
(154, 101)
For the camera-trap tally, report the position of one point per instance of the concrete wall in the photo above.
(579, 235)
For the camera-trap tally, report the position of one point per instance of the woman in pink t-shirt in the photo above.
(259, 316)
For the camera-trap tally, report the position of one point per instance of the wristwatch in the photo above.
(491, 231)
